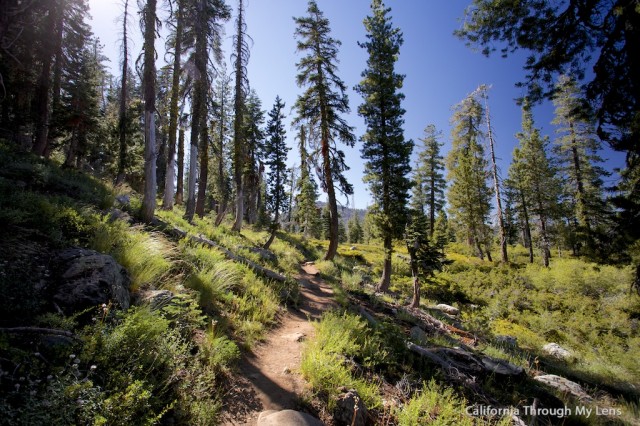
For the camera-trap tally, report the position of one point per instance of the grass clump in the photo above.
(437, 405)
(147, 256)
(340, 337)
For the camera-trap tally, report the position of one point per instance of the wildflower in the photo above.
(93, 367)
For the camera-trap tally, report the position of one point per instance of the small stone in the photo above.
(286, 370)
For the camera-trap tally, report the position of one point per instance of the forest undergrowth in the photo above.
(172, 361)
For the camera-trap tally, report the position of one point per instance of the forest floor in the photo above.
(269, 377)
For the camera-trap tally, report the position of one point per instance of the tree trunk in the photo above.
(415, 301)
(180, 178)
(167, 200)
(238, 140)
(193, 155)
(122, 115)
(527, 227)
(385, 279)
(204, 165)
(197, 110)
(41, 100)
(57, 83)
(149, 79)
(496, 185)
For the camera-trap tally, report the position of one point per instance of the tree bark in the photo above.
(122, 115)
(149, 78)
(385, 279)
(238, 140)
(180, 178)
(167, 201)
(42, 95)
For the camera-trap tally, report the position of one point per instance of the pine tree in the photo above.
(538, 176)
(253, 161)
(223, 118)
(429, 183)
(354, 229)
(384, 147)
(205, 16)
(176, 44)
(517, 190)
(275, 158)
(148, 83)
(321, 105)
(122, 113)
(241, 53)
(424, 257)
(576, 148)
(306, 213)
(469, 196)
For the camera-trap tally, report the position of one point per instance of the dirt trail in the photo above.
(269, 378)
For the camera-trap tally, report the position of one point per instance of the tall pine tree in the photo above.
(469, 196)
(321, 105)
(428, 176)
(275, 152)
(384, 147)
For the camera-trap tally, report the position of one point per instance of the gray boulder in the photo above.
(286, 418)
(565, 386)
(557, 351)
(448, 309)
(86, 279)
(350, 409)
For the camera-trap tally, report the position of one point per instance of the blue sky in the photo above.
(440, 70)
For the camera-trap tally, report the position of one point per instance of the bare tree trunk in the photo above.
(496, 185)
(149, 79)
(167, 200)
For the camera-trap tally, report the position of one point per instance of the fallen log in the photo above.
(456, 361)
(428, 322)
(179, 233)
(38, 330)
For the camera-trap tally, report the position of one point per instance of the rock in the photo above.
(286, 418)
(557, 351)
(295, 337)
(156, 299)
(564, 385)
(448, 309)
(124, 200)
(418, 334)
(286, 371)
(350, 409)
(353, 248)
(117, 214)
(507, 340)
(86, 279)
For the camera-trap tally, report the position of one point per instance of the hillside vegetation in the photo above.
(157, 361)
